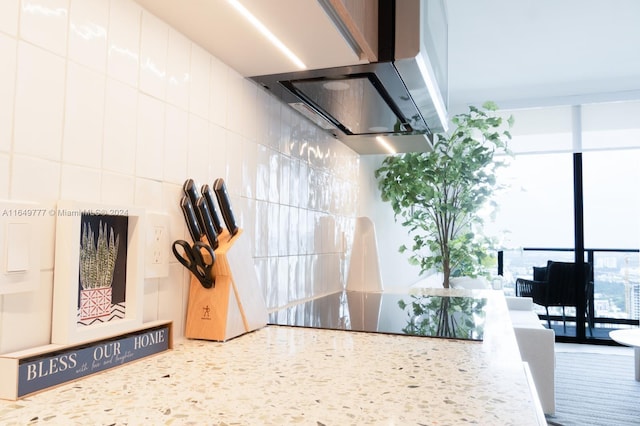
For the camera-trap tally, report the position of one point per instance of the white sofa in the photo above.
(536, 344)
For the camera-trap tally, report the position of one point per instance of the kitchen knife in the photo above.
(207, 194)
(191, 218)
(205, 217)
(190, 189)
(220, 188)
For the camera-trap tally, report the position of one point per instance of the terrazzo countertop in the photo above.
(286, 375)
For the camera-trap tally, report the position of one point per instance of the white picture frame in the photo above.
(118, 310)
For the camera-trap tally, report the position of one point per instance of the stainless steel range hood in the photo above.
(396, 103)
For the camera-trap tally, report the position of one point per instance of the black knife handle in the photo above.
(207, 194)
(205, 217)
(190, 189)
(220, 188)
(191, 219)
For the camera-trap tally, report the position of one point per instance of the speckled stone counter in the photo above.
(286, 375)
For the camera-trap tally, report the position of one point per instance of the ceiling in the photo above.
(516, 53)
(543, 52)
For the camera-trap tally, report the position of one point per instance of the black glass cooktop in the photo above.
(452, 317)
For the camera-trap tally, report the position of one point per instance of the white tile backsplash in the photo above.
(84, 116)
(218, 153)
(8, 48)
(135, 108)
(4, 175)
(75, 181)
(150, 139)
(34, 179)
(45, 23)
(39, 104)
(154, 35)
(123, 54)
(218, 92)
(175, 144)
(117, 189)
(9, 16)
(198, 149)
(88, 22)
(199, 81)
(179, 78)
(120, 127)
(149, 194)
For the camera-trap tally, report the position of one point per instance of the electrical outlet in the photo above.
(157, 246)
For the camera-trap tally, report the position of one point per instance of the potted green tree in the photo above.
(438, 194)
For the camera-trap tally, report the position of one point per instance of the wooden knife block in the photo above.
(234, 305)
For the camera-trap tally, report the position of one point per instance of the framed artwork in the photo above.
(99, 272)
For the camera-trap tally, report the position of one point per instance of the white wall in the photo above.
(102, 102)
(394, 266)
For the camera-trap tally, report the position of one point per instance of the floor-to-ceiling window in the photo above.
(535, 220)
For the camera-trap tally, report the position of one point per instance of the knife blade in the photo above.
(207, 194)
(220, 188)
(191, 219)
(205, 217)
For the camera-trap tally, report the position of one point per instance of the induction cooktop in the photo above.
(452, 317)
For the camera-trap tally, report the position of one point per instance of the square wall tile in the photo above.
(88, 23)
(237, 115)
(34, 179)
(172, 297)
(283, 179)
(9, 16)
(45, 23)
(200, 80)
(153, 55)
(178, 69)
(248, 126)
(249, 167)
(148, 194)
(295, 292)
(218, 92)
(80, 183)
(150, 139)
(218, 152)
(235, 162)
(283, 280)
(198, 149)
(294, 231)
(32, 310)
(171, 195)
(123, 54)
(261, 238)
(117, 189)
(84, 115)
(283, 230)
(274, 176)
(120, 128)
(262, 172)
(151, 300)
(8, 48)
(175, 144)
(39, 103)
(4, 176)
(273, 230)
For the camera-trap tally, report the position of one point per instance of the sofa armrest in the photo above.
(519, 303)
(537, 349)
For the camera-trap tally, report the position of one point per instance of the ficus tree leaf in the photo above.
(437, 195)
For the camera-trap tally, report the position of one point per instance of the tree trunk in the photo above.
(446, 271)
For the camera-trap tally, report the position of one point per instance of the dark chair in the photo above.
(554, 285)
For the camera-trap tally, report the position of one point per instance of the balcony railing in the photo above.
(614, 301)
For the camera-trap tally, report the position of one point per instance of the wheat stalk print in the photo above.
(98, 260)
